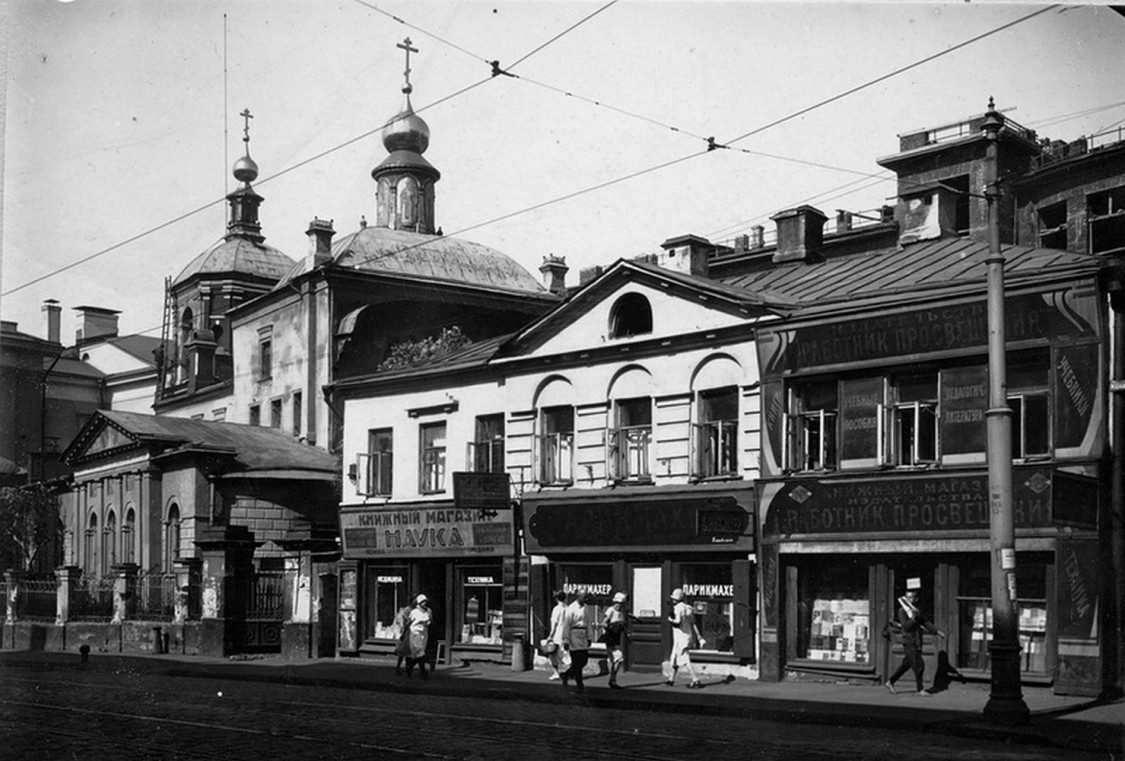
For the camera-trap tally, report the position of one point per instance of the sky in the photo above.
(121, 120)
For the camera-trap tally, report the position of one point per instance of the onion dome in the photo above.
(407, 131)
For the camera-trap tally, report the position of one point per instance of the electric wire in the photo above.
(564, 32)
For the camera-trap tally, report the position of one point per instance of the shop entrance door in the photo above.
(919, 574)
(646, 649)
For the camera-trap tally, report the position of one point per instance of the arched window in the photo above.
(172, 538)
(128, 534)
(90, 564)
(109, 542)
(631, 316)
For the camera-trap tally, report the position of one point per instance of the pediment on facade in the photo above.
(634, 303)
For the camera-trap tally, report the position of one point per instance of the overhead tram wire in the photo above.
(567, 196)
(564, 32)
(895, 73)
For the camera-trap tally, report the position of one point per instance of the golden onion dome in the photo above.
(245, 169)
(407, 131)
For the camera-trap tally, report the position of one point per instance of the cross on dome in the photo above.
(405, 45)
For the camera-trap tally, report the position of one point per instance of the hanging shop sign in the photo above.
(426, 532)
(482, 491)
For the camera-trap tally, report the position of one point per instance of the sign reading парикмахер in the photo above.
(430, 532)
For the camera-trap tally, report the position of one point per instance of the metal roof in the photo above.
(241, 256)
(432, 257)
(254, 447)
(906, 272)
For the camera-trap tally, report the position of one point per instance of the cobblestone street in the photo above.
(101, 714)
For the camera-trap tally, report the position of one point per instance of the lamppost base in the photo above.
(1007, 711)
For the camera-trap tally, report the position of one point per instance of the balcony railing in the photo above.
(628, 456)
(556, 458)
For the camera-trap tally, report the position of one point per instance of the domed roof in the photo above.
(408, 131)
(240, 256)
(429, 257)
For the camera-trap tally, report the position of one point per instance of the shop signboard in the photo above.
(579, 525)
(481, 491)
(444, 531)
(915, 503)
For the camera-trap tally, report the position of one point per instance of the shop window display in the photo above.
(386, 592)
(597, 582)
(975, 615)
(835, 615)
(709, 589)
(482, 614)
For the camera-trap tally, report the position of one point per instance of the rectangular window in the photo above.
(482, 606)
(556, 446)
(911, 421)
(275, 413)
(386, 592)
(486, 452)
(812, 426)
(298, 412)
(630, 442)
(255, 414)
(1052, 225)
(709, 589)
(974, 601)
(1106, 218)
(596, 580)
(265, 357)
(431, 475)
(716, 434)
(1029, 402)
(834, 614)
(375, 467)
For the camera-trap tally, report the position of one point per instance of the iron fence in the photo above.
(37, 600)
(267, 595)
(92, 600)
(156, 597)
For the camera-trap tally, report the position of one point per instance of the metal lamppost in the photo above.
(1005, 703)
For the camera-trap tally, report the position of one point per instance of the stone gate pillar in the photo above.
(227, 573)
(188, 584)
(296, 629)
(67, 578)
(125, 592)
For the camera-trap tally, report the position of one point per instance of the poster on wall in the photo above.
(859, 418)
(964, 399)
(1076, 381)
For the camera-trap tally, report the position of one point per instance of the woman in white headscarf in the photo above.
(420, 619)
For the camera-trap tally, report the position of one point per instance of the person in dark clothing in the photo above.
(911, 623)
(945, 674)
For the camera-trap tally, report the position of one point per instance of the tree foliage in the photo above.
(29, 524)
(409, 353)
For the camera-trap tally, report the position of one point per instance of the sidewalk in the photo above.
(1059, 721)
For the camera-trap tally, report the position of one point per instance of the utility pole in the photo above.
(1005, 703)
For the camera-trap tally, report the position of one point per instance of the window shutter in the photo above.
(744, 613)
(785, 456)
(881, 453)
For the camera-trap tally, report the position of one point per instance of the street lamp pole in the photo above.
(1005, 703)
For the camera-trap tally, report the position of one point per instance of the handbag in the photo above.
(548, 646)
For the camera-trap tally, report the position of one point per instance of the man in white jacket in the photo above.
(576, 640)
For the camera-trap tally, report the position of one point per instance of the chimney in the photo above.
(687, 254)
(320, 234)
(799, 234)
(95, 323)
(554, 271)
(757, 237)
(54, 320)
(843, 221)
(928, 216)
(741, 243)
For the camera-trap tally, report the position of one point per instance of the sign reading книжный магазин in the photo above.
(433, 532)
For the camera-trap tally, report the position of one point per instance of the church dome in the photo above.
(425, 257)
(407, 131)
(238, 256)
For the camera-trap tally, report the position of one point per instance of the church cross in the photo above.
(246, 117)
(405, 45)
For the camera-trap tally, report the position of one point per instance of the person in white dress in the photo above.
(684, 635)
(420, 619)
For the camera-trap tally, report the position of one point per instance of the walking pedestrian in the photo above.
(420, 619)
(402, 646)
(555, 636)
(911, 623)
(614, 638)
(576, 640)
(684, 636)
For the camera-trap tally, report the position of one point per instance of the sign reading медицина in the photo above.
(426, 532)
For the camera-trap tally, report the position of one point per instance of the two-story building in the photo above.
(628, 422)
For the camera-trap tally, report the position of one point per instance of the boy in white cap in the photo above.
(614, 622)
(684, 632)
(911, 622)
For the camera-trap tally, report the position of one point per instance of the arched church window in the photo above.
(408, 201)
(90, 564)
(631, 316)
(172, 538)
(109, 541)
